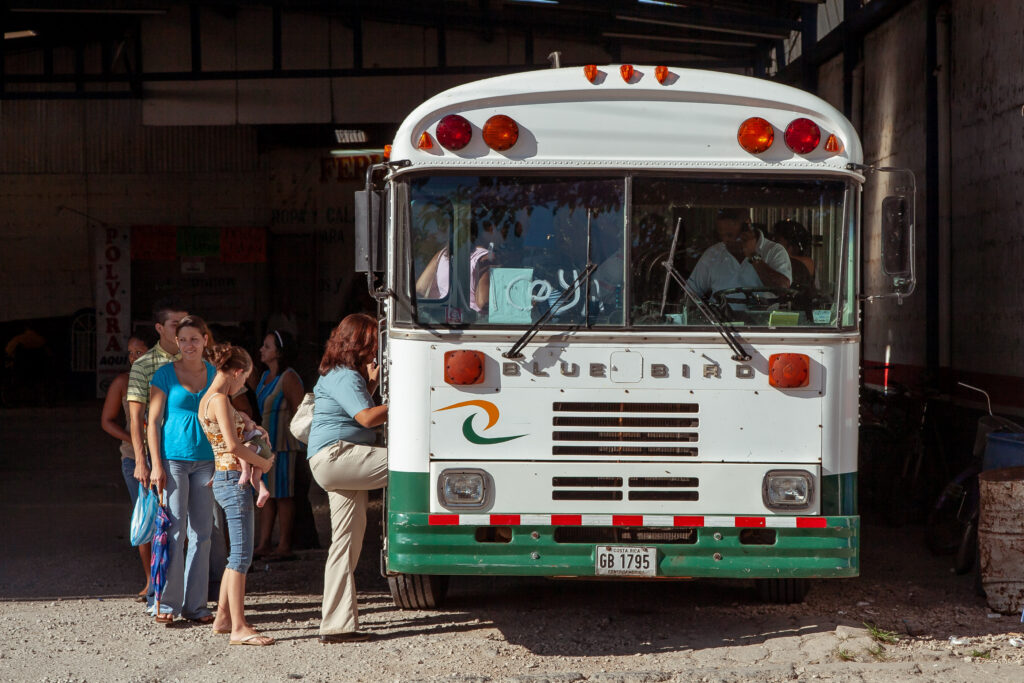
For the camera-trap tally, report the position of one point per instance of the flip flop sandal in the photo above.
(208, 619)
(256, 639)
(165, 619)
(222, 631)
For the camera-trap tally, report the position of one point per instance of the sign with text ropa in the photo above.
(113, 310)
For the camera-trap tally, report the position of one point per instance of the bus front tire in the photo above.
(418, 591)
(783, 591)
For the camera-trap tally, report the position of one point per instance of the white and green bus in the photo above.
(620, 329)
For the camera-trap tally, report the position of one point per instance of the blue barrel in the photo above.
(1003, 449)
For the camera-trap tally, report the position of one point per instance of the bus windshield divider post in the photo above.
(739, 353)
(586, 298)
(672, 260)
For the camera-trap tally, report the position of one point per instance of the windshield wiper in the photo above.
(514, 352)
(739, 353)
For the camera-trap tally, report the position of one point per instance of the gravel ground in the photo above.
(67, 572)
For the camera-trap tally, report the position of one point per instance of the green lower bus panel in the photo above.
(417, 547)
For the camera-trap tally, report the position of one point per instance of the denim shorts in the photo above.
(240, 517)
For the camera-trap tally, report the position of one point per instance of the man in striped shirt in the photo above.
(166, 314)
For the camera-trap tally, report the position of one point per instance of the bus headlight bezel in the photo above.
(467, 479)
(773, 496)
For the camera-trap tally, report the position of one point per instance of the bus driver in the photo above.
(743, 258)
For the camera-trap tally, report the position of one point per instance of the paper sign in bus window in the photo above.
(510, 301)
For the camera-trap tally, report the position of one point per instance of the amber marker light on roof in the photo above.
(755, 135)
(833, 144)
(426, 142)
(500, 132)
(661, 73)
(627, 72)
(387, 151)
(590, 71)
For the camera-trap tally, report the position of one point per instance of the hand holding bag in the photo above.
(144, 516)
(302, 421)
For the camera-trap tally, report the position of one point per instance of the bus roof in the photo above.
(565, 120)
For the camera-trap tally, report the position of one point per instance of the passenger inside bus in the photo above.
(796, 240)
(435, 280)
(743, 258)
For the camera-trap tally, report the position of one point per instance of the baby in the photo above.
(255, 440)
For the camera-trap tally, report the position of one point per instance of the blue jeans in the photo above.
(190, 503)
(238, 512)
(128, 472)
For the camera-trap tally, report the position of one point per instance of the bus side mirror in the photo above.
(896, 251)
(894, 275)
(368, 237)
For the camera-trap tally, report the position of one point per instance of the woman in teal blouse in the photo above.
(183, 466)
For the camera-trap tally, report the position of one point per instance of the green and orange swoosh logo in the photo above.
(492, 419)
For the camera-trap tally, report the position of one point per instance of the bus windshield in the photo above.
(502, 250)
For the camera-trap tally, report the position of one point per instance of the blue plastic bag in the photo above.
(144, 516)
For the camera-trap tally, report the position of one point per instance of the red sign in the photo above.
(154, 243)
(243, 245)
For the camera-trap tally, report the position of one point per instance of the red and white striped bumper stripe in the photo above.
(630, 520)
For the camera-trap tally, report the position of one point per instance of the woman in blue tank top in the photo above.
(183, 466)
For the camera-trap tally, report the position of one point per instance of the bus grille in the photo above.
(625, 429)
(636, 488)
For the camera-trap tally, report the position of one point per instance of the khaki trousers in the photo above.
(346, 471)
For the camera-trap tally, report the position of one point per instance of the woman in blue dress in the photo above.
(183, 467)
(279, 392)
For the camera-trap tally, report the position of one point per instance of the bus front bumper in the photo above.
(829, 550)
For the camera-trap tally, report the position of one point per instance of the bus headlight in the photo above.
(787, 489)
(464, 489)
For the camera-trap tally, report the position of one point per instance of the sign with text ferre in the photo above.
(113, 314)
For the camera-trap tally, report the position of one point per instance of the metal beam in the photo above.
(808, 46)
(931, 197)
(195, 37)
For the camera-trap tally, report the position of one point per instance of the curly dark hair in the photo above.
(352, 344)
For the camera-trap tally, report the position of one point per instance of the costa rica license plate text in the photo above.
(625, 561)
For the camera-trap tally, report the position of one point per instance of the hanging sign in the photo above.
(113, 314)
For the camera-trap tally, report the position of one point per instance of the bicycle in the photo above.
(953, 520)
(901, 451)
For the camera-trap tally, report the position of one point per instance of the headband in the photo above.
(280, 342)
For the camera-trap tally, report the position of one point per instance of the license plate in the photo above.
(625, 560)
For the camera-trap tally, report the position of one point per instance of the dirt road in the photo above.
(67, 571)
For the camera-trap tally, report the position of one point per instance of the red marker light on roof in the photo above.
(426, 142)
(500, 132)
(454, 132)
(590, 71)
(661, 73)
(755, 135)
(627, 72)
(803, 136)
